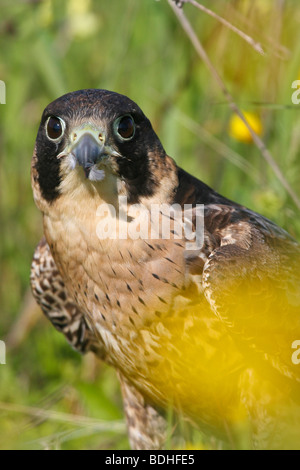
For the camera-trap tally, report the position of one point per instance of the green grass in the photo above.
(135, 47)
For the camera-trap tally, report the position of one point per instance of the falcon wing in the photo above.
(251, 279)
(49, 291)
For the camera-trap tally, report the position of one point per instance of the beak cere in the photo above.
(88, 152)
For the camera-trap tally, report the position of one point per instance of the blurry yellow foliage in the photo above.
(78, 7)
(239, 131)
(82, 21)
(193, 446)
(231, 371)
(267, 202)
(46, 15)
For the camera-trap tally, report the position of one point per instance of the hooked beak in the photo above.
(88, 152)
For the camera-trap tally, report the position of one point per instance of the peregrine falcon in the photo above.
(206, 328)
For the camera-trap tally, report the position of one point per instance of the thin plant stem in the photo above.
(256, 139)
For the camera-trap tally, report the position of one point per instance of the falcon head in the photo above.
(96, 138)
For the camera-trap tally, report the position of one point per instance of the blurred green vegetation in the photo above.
(135, 47)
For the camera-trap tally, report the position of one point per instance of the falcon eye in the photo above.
(54, 128)
(125, 127)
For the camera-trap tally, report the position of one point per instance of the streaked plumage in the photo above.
(208, 331)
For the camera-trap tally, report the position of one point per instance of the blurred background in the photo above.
(50, 397)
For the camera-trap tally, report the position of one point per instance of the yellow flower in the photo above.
(239, 131)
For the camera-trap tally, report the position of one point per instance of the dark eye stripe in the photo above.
(54, 128)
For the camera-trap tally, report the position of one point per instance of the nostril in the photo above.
(74, 136)
(101, 138)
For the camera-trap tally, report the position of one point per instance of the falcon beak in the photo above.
(88, 152)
